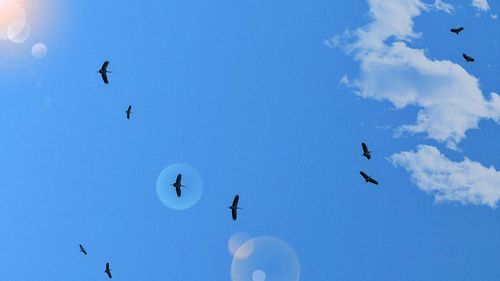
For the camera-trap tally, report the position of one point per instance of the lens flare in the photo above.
(39, 50)
(270, 259)
(10, 12)
(236, 241)
(191, 190)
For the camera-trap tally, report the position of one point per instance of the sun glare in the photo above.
(19, 32)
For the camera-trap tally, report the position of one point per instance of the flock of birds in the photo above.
(177, 184)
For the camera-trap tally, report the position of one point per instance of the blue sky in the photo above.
(266, 99)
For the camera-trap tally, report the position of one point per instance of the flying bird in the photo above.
(129, 111)
(468, 58)
(82, 249)
(104, 72)
(368, 178)
(366, 152)
(177, 184)
(234, 207)
(457, 30)
(108, 271)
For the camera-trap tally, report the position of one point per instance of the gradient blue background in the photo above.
(247, 93)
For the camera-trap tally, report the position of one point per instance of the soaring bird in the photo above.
(129, 111)
(108, 270)
(468, 58)
(366, 152)
(104, 72)
(177, 184)
(234, 207)
(457, 30)
(82, 249)
(368, 178)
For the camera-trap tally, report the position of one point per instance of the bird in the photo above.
(129, 111)
(457, 30)
(366, 152)
(108, 271)
(104, 72)
(468, 58)
(82, 249)
(368, 178)
(234, 207)
(177, 184)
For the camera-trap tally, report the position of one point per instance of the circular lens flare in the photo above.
(18, 31)
(39, 50)
(236, 241)
(190, 186)
(258, 275)
(10, 12)
(270, 259)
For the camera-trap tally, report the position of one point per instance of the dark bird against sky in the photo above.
(457, 30)
(234, 207)
(108, 270)
(468, 58)
(177, 184)
(129, 111)
(104, 72)
(368, 178)
(366, 152)
(82, 249)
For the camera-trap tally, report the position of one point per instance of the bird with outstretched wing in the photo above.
(104, 72)
(234, 207)
(368, 178)
(108, 271)
(457, 30)
(82, 249)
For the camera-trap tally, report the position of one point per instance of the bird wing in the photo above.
(105, 66)
(364, 175)
(107, 266)
(104, 77)
(372, 181)
(178, 179)
(235, 201)
(365, 148)
(178, 191)
(233, 213)
(109, 274)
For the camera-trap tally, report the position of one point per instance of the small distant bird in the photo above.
(104, 72)
(234, 207)
(108, 270)
(129, 111)
(82, 249)
(457, 30)
(177, 184)
(368, 178)
(366, 152)
(468, 58)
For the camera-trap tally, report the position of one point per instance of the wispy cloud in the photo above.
(440, 5)
(467, 181)
(449, 98)
(481, 5)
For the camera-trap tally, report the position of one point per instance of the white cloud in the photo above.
(449, 98)
(440, 5)
(467, 181)
(481, 5)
